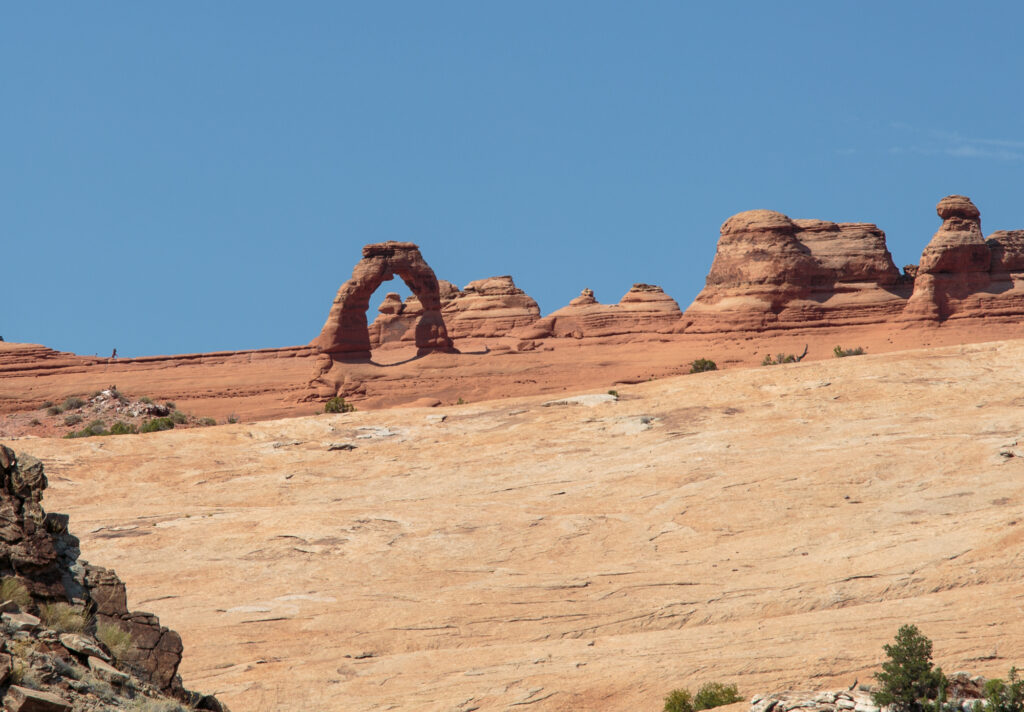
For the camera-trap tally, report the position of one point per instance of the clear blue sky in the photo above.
(196, 176)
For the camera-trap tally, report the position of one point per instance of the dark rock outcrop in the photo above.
(38, 551)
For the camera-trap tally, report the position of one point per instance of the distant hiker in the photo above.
(113, 354)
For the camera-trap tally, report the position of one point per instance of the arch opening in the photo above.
(345, 335)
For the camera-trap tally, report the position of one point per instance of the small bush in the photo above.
(207, 421)
(1005, 696)
(232, 418)
(46, 404)
(123, 428)
(73, 419)
(146, 399)
(116, 638)
(156, 424)
(35, 421)
(178, 418)
(337, 404)
(54, 410)
(73, 402)
(702, 364)
(11, 589)
(779, 359)
(908, 677)
(715, 694)
(64, 618)
(679, 700)
(169, 405)
(614, 394)
(840, 352)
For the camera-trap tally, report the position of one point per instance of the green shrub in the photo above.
(73, 419)
(35, 421)
(232, 418)
(207, 421)
(73, 402)
(702, 364)
(1005, 696)
(146, 399)
(156, 424)
(840, 352)
(46, 404)
(116, 638)
(908, 677)
(779, 359)
(169, 405)
(64, 618)
(123, 428)
(93, 429)
(337, 404)
(11, 589)
(54, 410)
(715, 694)
(679, 700)
(178, 418)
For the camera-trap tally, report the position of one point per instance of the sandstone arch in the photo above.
(345, 334)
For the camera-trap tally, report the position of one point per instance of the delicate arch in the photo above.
(345, 333)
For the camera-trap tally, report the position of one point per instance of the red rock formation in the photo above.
(962, 275)
(644, 308)
(771, 272)
(489, 307)
(345, 333)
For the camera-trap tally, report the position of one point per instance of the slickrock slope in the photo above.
(645, 308)
(771, 272)
(771, 527)
(962, 275)
(40, 556)
(484, 308)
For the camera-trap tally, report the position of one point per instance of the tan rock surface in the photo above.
(767, 526)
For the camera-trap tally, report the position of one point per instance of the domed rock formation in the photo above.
(345, 333)
(490, 307)
(771, 272)
(963, 275)
(644, 308)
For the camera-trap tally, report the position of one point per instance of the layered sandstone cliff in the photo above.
(771, 272)
(645, 308)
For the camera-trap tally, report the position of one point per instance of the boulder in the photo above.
(22, 699)
(105, 671)
(81, 645)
